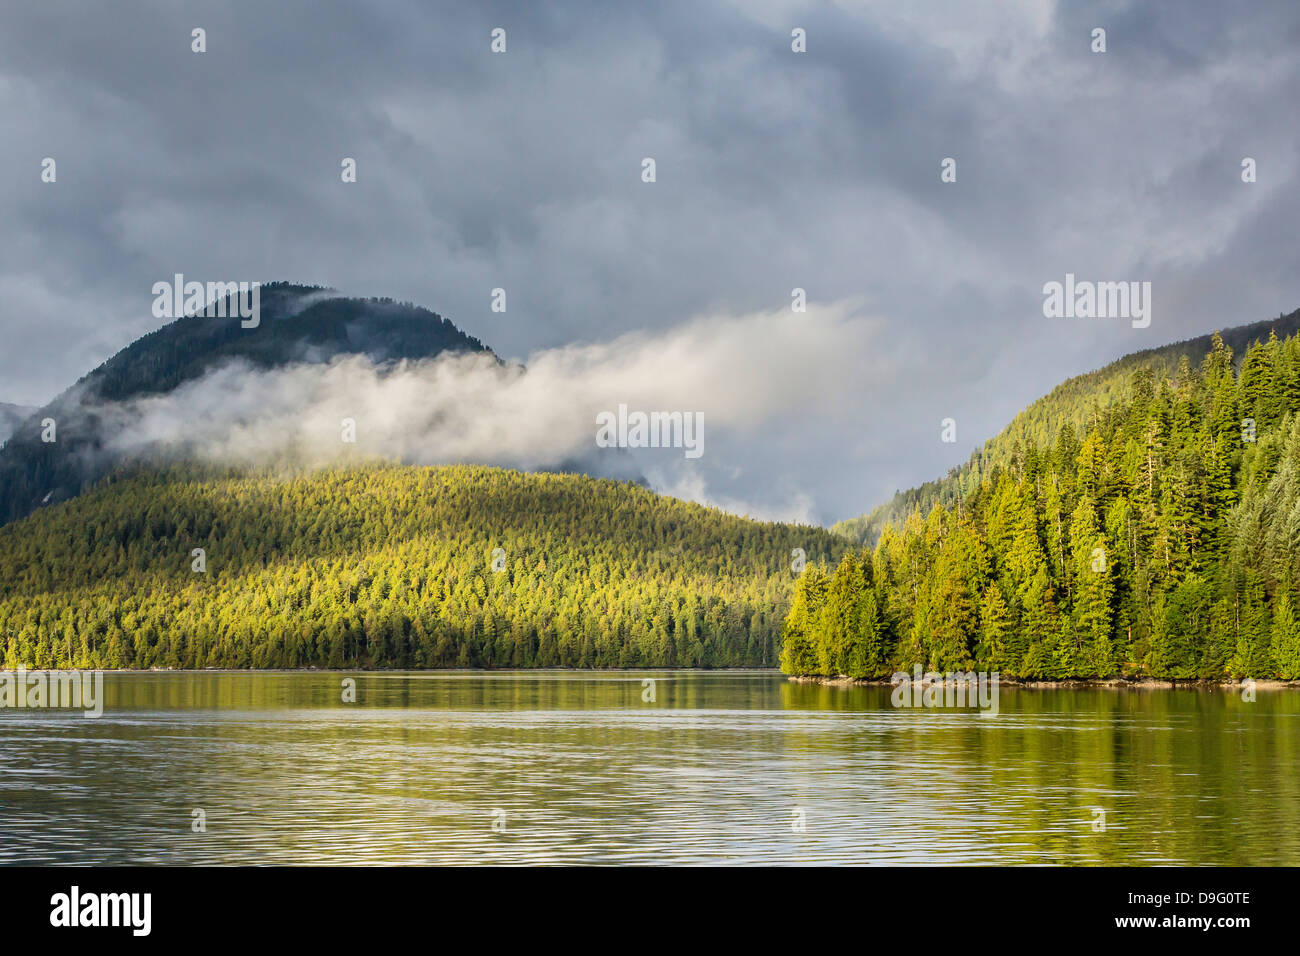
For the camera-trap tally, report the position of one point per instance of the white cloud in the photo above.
(753, 377)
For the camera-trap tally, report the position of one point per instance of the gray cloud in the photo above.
(775, 170)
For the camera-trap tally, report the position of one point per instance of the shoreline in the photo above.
(1075, 683)
(774, 671)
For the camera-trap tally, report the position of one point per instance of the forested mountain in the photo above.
(390, 566)
(297, 324)
(1074, 402)
(10, 416)
(1160, 537)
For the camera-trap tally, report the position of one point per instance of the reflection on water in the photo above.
(713, 770)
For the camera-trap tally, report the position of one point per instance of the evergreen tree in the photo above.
(1286, 639)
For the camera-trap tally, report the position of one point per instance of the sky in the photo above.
(774, 170)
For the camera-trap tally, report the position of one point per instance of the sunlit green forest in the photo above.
(1161, 538)
(387, 566)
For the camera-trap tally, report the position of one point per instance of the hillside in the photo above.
(1160, 540)
(10, 416)
(298, 324)
(1074, 402)
(390, 566)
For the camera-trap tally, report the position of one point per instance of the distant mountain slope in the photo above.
(393, 566)
(10, 416)
(1074, 402)
(1162, 541)
(298, 324)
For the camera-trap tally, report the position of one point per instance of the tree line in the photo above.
(1162, 539)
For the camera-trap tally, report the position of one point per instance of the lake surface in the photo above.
(721, 767)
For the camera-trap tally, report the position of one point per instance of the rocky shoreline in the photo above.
(1125, 683)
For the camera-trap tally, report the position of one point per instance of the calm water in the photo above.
(720, 768)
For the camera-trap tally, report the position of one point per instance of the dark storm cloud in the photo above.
(775, 170)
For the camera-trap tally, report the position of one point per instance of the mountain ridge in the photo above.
(298, 323)
(1041, 421)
